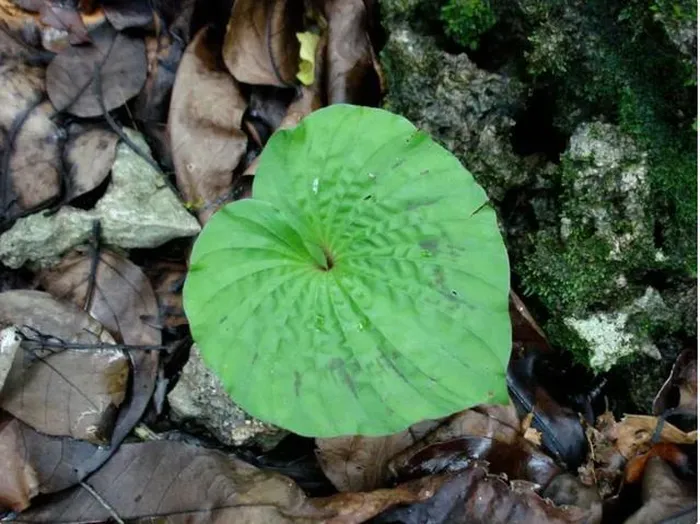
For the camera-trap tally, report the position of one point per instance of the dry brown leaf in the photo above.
(310, 97)
(204, 126)
(18, 482)
(632, 435)
(121, 60)
(180, 483)
(69, 392)
(353, 71)
(360, 463)
(89, 154)
(168, 279)
(123, 300)
(261, 45)
(474, 496)
(30, 140)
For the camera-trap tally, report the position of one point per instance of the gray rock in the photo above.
(138, 210)
(469, 110)
(40, 238)
(200, 397)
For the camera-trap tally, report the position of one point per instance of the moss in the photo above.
(570, 276)
(466, 20)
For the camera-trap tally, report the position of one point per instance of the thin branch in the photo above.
(87, 487)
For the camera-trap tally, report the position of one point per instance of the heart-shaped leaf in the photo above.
(363, 288)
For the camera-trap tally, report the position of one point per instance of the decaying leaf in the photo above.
(30, 140)
(360, 463)
(120, 61)
(18, 482)
(172, 480)
(89, 154)
(261, 45)
(66, 17)
(167, 279)
(474, 496)
(352, 67)
(70, 392)
(122, 298)
(204, 124)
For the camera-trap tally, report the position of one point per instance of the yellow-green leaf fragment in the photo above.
(307, 57)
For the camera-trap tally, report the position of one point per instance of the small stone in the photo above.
(200, 397)
(138, 210)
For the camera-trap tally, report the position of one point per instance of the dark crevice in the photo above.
(534, 131)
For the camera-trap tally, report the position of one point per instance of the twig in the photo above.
(94, 262)
(102, 501)
(34, 345)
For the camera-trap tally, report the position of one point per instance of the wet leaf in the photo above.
(18, 482)
(664, 496)
(89, 154)
(360, 463)
(70, 77)
(71, 392)
(681, 388)
(473, 496)
(204, 124)
(261, 45)
(122, 301)
(123, 14)
(518, 460)
(560, 426)
(352, 67)
(178, 482)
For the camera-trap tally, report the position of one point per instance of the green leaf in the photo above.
(363, 288)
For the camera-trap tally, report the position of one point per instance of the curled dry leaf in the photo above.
(360, 463)
(474, 496)
(18, 482)
(68, 392)
(89, 154)
(178, 482)
(120, 61)
(204, 125)
(261, 45)
(122, 299)
(633, 434)
(30, 140)
(353, 71)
